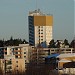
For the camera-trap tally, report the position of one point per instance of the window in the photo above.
(17, 66)
(25, 60)
(24, 56)
(41, 33)
(16, 48)
(42, 39)
(39, 29)
(9, 62)
(41, 36)
(24, 52)
(16, 52)
(17, 70)
(16, 61)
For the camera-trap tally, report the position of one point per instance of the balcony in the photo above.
(17, 51)
(8, 67)
(18, 54)
(8, 62)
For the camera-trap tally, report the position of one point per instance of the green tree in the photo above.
(57, 44)
(11, 41)
(66, 42)
(72, 44)
(51, 44)
(24, 41)
(1, 43)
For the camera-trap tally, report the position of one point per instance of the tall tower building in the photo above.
(40, 28)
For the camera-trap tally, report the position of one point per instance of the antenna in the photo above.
(36, 4)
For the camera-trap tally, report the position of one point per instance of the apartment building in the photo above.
(38, 54)
(66, 63)
(15, 58)
(40, 28)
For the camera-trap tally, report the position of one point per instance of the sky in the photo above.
(14, 17)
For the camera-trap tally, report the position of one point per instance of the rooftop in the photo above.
(37, 13)
(66, 55)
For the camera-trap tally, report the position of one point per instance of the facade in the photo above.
(66, 63)
(15, 58)
(40, 28)
(38, 54)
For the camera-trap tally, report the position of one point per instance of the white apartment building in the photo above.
(15, 58)
(40, 28)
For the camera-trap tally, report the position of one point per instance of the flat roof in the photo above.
(66, 55)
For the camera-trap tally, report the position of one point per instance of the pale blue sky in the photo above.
(14, 17)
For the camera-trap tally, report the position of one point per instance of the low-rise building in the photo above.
(38, 54)
(19, 56)
(66, 63)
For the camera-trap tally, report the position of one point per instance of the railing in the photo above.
(41, 53)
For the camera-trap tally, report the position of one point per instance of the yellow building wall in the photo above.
(60, 64)
(20, 64)
(43, 20)
(49, 20)
(67, 58)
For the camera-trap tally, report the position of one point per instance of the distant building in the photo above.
(40, 28)
(66, 63)
(38, 54)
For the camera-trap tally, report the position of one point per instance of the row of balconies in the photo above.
(14, 51)
(41, 53)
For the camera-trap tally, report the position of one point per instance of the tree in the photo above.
(66, 42)
(24, 41)
(51, 44)
(1, 43)
(72, 44)
(57, 44)
(11, 41)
